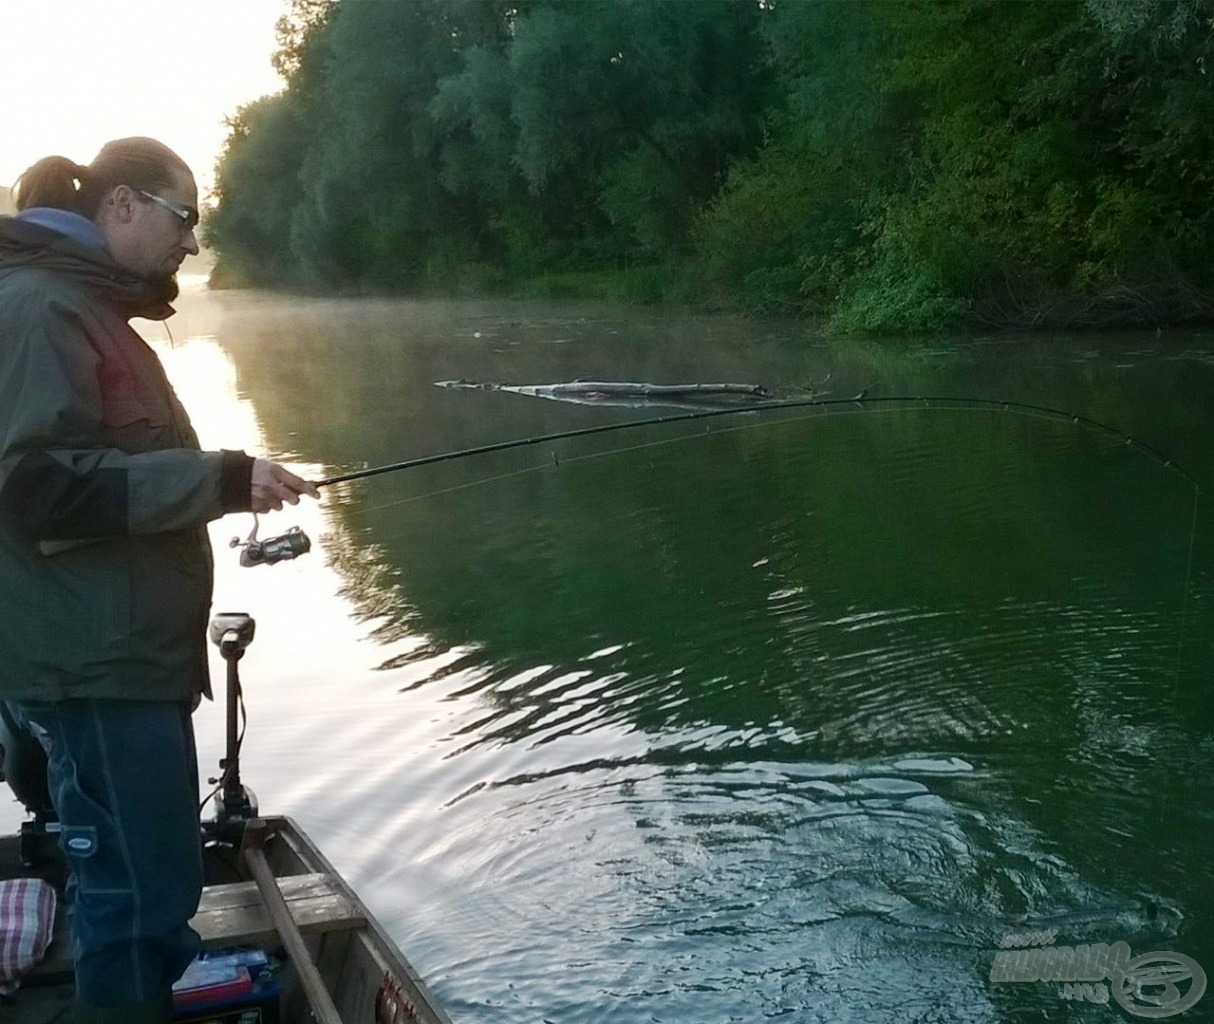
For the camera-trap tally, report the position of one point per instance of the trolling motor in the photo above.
(232, 632)
(282, 548)
(23, 761)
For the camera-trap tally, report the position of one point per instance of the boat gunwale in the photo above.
(290, 851)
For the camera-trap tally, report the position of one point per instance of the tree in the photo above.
(890, 164)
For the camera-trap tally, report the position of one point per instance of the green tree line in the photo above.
(888, 165)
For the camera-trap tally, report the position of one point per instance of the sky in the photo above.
(77, 73)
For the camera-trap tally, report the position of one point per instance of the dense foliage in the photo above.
(890, 164)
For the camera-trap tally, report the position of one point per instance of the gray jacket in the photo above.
(105, 563)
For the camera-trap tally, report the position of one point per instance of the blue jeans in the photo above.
(123, 778)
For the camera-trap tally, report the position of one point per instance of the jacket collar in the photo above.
(77, 227)
(24, 243)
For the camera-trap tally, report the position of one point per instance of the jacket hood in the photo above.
(23, 244)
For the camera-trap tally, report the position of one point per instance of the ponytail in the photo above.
(50, 182)
(138, 162)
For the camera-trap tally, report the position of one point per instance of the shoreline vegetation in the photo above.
(883, 166)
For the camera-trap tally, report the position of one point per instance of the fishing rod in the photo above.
(294, 542)
(861, 400)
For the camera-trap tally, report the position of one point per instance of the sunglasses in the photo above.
(186, 214)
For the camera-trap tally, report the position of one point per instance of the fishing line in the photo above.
(818, 407)
(933, 401)
(565, 460)
(1184, 608)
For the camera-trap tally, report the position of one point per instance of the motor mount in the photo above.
(231, 632)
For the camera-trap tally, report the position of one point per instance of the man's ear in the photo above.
(119, 206)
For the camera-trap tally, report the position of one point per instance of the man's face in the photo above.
(148, 235)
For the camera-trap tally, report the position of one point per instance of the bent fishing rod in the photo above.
(294, 542)
(861, 401)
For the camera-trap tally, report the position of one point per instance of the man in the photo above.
(104, 555)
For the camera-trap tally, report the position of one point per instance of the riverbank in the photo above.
(888, 168)
(1157, 300)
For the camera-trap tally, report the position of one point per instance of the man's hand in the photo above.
(272, 485)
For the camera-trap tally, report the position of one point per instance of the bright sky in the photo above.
(76, 73)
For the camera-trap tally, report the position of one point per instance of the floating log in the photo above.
(623, 389)
(620, 389)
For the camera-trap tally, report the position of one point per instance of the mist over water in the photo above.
(785, 715)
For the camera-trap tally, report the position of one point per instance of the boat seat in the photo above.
(235, 915)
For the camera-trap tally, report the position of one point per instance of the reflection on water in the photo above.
(797, 716)
(775, 707)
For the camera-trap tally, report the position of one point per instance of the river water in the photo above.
(792, 715)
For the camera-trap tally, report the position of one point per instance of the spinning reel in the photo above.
(282, 548)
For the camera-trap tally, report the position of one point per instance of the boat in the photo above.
(270, 894)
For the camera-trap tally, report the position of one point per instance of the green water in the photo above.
(783, 716)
